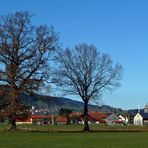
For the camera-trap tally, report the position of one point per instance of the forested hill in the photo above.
(40, 101)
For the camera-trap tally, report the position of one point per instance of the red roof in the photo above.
(98, 115)
(61, 119)
(40, 117)
(23, 120)
(75, 114)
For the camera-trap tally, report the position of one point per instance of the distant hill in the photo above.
(41, 101)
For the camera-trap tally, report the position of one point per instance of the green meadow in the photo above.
(74, 140)
(62, 136)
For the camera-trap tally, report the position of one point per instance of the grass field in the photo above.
(74, 140)
(73, 137)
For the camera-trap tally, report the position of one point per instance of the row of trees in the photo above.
(26, 54)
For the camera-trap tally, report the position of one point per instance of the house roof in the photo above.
(40, 117)
(75, 114)
(23, 120)
(98, 115)
(61, 119)
(143, 114)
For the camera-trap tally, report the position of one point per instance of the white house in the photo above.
(124, 119)
(138, 120)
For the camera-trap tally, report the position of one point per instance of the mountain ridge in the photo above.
(44, 101)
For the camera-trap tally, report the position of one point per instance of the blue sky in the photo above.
(118, 27)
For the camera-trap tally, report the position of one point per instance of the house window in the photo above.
(146, 110)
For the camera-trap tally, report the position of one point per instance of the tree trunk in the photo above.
(86, 125)
(12, 121)
(68, 120)
(14, 107)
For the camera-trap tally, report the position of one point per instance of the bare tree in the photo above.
(83, 71)
(24, 57)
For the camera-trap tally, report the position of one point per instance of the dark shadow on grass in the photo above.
(81, 131)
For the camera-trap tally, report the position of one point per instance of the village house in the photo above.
(124, 119)
(34, 119)
(61, 120)
(76, 118)
(97, 117)
(100, 118)
(23, 121)
(144, 114)
(111, 119)
(138, 119)
(141, 118)
(40, 119)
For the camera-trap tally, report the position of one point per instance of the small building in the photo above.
(75, 117)
(123, 119)
(111, 118)
(144, 114)
(61, 120)
(23, 121)
(94, 118)
(34, 119)
(138, 119)
(141, 118)
(98, 117)
(40, 119)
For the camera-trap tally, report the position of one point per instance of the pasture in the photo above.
(62, 136)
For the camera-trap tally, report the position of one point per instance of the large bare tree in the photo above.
(25, 51)
(85, 72)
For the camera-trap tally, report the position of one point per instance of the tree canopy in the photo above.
(85, 72)
(25, 57)
(25, 50)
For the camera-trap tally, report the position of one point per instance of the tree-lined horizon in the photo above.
(25, 52)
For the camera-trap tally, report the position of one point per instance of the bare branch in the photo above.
(85, 72)
(24, 55)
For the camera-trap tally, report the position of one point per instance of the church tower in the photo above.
(146, 109)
